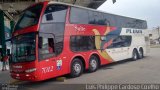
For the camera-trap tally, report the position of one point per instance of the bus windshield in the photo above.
(23, 48)
(29, 17)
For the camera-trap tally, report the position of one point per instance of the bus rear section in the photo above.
(127, 45)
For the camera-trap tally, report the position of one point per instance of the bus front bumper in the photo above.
(25, 76)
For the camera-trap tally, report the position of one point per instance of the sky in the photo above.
(148, 10)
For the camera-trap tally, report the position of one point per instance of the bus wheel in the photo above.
(93, 64)
(76, 68)
(134, 55)
(140, 55)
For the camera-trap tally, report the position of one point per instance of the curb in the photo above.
(155, 46)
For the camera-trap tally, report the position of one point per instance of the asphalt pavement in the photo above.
(142, 71)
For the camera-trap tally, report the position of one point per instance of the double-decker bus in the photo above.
(52, 39)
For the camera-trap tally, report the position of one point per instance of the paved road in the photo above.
(127, 72)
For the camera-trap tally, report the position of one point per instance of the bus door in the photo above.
(46, 55)
(126, 45)
(113, 52)
(125, 52)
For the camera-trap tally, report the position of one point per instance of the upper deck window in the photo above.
(54, 13)
(79, 16)
(84, 16)
(29, 17)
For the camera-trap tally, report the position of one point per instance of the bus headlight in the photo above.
(30, 70)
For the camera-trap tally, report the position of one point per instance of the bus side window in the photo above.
(121, 41)
(46, 46)
(79, 16)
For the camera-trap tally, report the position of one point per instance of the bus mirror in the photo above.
(103, 38)
(40, 42)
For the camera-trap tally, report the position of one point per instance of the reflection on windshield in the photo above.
(23, 48)
(29, 17)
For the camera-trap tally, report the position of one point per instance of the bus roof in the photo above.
(54, 2)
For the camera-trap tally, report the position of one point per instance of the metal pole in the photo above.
(12, 25)
(158, 35)
(2, 33)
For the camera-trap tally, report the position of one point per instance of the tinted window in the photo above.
(91, 17)
(83, 16)
(79, 16)
(96, 18)
(57, 31)
(82, 43)
(55, 13)
(23, 48)
(135, 23)
(126, 22)
(46, 46)
(110, 19)
(120, 41)
(29, 17)
(99, 18)
(52, 30)
(49, 45)
(120, 21)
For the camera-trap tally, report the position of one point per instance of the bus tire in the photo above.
(134, 55)
(76, 68)
(140, 54)
(93, 64)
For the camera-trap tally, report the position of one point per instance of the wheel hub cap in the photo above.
(77, 68)
(93, 64)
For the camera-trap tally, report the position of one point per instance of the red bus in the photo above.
(52, 39)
